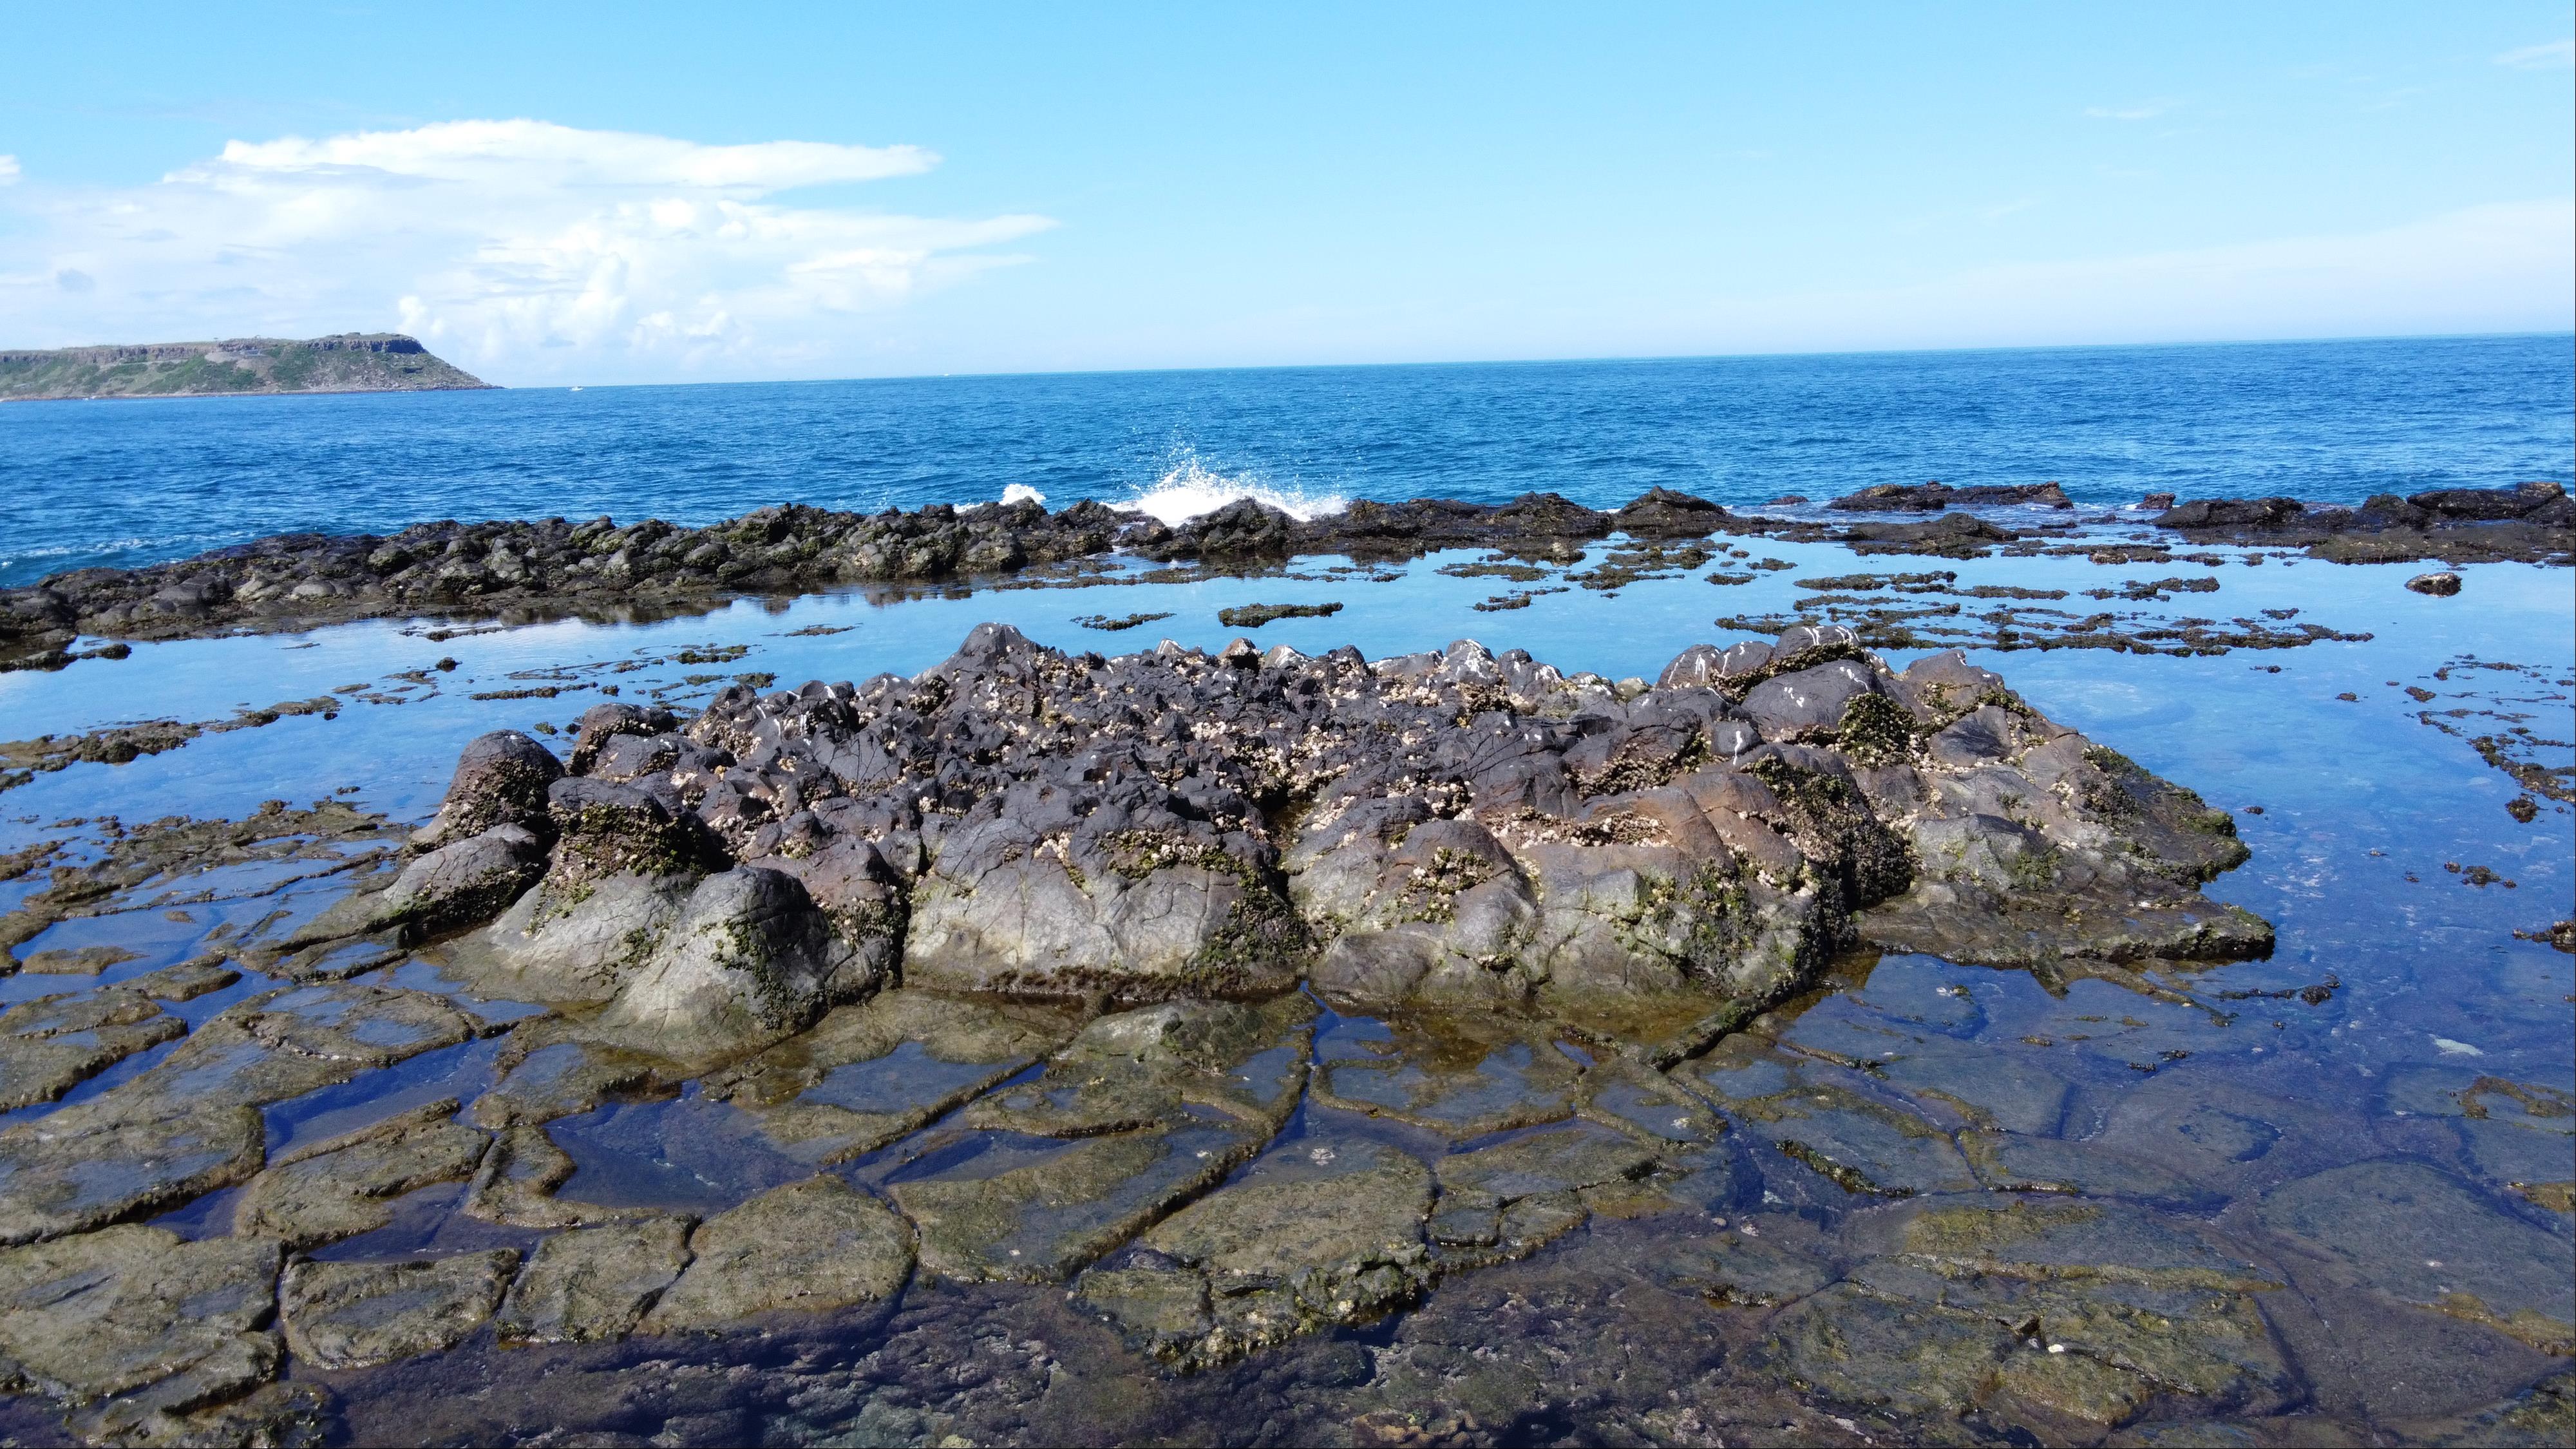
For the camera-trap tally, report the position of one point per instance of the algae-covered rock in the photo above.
(2027, 1238)
(342, 1187)
(1268, 1259)
(2418, 1235)
(596, 1282)
(136, 1310)
(100, 1161)
(1017, 1209)
(352, 1315)
(811, 1246)
(1507, 1201)
(1854, 1347)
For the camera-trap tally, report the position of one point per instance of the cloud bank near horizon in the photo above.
(521, 249)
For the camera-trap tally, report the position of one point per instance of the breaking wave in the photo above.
(1189, 488)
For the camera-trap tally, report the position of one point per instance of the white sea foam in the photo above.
(1021, 493)
(1189, 488)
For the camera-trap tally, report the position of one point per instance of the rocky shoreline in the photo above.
(554, 567)
(1021, 973)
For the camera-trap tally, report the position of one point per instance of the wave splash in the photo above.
(1190, 488)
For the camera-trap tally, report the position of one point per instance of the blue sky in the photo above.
(1035, 188)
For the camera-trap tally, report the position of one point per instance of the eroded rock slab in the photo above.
(1003, 1207)
(343, 1187)
(352, 1315)
(54, 1043)
(811, 1246)
(2419, 1235)
(866, 1075)
(1511, 1199)
(1270, 1258)
(595, 1283)
(138, 1311)
(101, 1161)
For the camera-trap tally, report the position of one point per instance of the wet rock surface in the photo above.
(1627, 1177)
(815, 1245)
(352, 1315)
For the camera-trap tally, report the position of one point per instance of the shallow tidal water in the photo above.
(2316, 1198)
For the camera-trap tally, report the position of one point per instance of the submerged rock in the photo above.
(2418, 1235)
(866, 1075)
(54, 1043)
(1158, 1104)
(342, 1187)
(1266, 1260)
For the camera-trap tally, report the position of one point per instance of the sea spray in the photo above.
(1189, 488)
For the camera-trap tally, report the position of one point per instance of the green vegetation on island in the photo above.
(347, 362)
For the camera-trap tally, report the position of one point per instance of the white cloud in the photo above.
(2556, 55)
(8, 170)
(519, 249)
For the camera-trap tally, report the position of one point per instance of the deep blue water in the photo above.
(133, 482)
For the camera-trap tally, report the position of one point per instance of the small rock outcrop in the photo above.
(1461, 828)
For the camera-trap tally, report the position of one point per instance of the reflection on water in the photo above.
(2319, 1196)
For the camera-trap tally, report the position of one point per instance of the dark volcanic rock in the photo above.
(551, 566)
(501, 779)
(2531, 522)
(1933, 497)
(1460, 827)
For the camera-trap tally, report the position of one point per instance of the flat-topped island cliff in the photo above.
(343, 362)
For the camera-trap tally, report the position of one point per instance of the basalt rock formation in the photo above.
(1936, 496)
(2534, 522)
(1455, 829)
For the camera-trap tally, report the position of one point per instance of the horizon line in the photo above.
(1647, 357)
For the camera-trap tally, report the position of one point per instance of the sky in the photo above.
(660, 193)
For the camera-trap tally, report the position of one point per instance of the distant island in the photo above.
(347, 362)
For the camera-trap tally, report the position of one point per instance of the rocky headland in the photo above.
(553, 566)
(345, 362)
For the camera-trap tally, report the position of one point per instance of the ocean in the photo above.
(126, 483)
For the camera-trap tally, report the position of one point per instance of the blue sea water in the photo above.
(133, 482)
